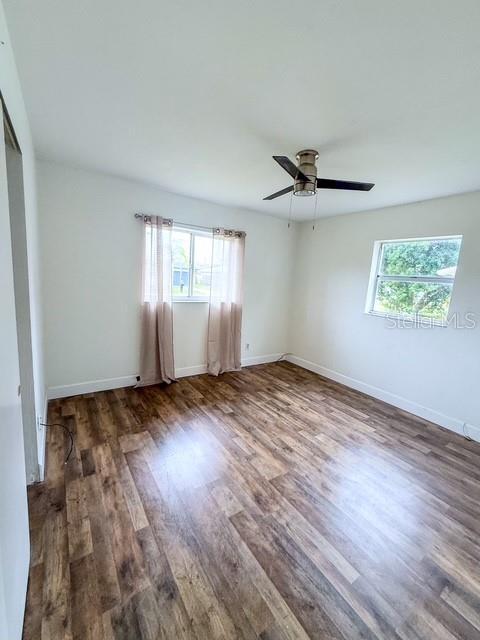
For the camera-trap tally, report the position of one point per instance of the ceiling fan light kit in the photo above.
(306, 165)
(305, 178)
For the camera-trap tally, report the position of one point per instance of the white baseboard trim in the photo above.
(252, 360)
(196, 370)
(106, 384)
(453, 424)
(473, 432)
(90, 386)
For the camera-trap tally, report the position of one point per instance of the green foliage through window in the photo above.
(415, 277)
(419, 257)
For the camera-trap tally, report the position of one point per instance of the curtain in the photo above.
(226, 299)
(156, 351)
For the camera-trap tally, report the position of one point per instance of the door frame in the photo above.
(20, 265)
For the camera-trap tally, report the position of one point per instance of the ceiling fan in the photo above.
(305, 178)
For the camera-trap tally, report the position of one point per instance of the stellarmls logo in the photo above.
(455, 320)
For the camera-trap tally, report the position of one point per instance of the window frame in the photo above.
(192, 231)
(376, 277)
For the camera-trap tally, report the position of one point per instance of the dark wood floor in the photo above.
(269, 503)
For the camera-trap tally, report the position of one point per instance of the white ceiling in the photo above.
(197, 96)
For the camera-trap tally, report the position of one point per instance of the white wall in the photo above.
(436, 369)
(14, 539)
(91, 266)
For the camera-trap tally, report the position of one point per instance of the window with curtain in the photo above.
(189, 264)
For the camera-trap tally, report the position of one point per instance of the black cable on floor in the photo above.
(70, 435)
(465, 434)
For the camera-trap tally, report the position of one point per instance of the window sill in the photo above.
(195, 300)
(421, 321)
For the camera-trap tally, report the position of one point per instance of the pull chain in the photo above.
(290, 210)
(315, 210)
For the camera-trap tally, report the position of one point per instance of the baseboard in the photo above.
(453, 424)
(472, 432)
(196, 370)
(91, 386)
(246, 362)
(252, 360)
(106, 384)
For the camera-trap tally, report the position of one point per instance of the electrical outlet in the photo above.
(39, 424)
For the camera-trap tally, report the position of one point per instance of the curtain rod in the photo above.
(144, 216)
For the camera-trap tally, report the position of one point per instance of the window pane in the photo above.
(424, 299)
(421, 258)
(202, 271)
(181, 263)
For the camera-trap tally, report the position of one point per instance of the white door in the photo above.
(14, 538)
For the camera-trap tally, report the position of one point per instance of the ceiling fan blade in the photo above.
(290, 168)
(325, 183)
(279, 193)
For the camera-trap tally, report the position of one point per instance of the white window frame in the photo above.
(193, 231)
(376, 277)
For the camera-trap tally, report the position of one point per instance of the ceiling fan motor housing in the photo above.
(306, 164)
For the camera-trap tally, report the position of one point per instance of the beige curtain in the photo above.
(156, 352)
(226, 299)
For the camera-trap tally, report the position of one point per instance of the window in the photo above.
(414, 278)
(191, 264)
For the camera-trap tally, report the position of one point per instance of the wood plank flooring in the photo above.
(269, 503)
